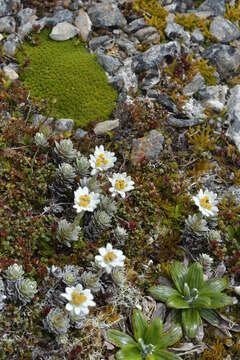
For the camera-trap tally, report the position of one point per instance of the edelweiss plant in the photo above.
(149, 341)
(192, 298)
(109, 258)
(206, 202)
(102, 160)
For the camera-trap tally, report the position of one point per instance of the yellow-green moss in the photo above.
(233, 12)
(154, 14)
(190, 22)
(65, 71)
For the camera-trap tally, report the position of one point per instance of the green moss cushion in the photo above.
(67, 72)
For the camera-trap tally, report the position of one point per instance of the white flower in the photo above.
(121, 183)
(206, 202)
(101, 160)
(85, 200)
(79, 300)
(109, 258)
(237, 290)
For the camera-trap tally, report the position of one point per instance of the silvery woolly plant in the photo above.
(192, 298)
(148, 341)
(68, 233)
(64, 151)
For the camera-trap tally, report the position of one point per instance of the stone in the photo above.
(25, 29)
(174, 31)
(197, 36)
(150, 79)
(10, 47)
(194, 85)
(63, 31)
(224, 30)
(147, 148)
(9, 7)
(152, 39)
(39, 120)
(167, 102)
(61, 15)
(1, 37)
(109, 63)
(233, 116)
(105, 126)
(214, 7)
(26, 15)
(100, 41)
(10, 73)
(155, 55)
(193, 109)
(127, 46)
(7, 24)
(84, 24)
(225, 57)
(144, 33)
(106, 14)
(214, 97)
(135, 25)
(64, 125)
(125, 78)
(80, 134)
(182, 122)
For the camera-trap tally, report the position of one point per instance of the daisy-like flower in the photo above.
(85, 200)
(109, 258)
(102, 160)
(79, 300)
(121, 183)
(206, 202)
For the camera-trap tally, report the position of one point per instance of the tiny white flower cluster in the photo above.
(102, 160)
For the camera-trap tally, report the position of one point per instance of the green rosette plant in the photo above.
(149, 341)
(193, 298)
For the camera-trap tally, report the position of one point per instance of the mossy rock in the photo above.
(65, 71)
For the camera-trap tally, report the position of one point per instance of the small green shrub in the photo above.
(193, 298)
(149, 342)
(65, 71)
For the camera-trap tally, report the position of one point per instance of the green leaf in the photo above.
(219, 300)
(177, 302)
(210, 316)
(194, 276)
(129, 352)
(162, 292)
(154, 332)
(165, 355)
(139, 324)
(214, 286)
(202, 302)
(178, 273)
(191, 321)
(120, 339)
(170, 338)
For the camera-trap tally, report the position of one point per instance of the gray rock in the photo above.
(25, 29)
(151, 78)
(105, 126)
(80, 134)
(10, 73)
(63, 31)
(84, 24)
(155, 55)
(7, 24)
(197, 36)
(9, 7)
(224, 30)
(100, 41)
(226, 58)
(214, 97)
(127, 46)
(183, 123)
(164, 100)
(193, 109)
(64, 125)
(152, 39)
(125, 78)
(60, 16)
(144, 33)
(214, 7)
(174, 31)
(147, 148)
(109, 63)
(26, 15)
(39, 120)
(106, 15)
(195, 85)
(135, 25)
(233, 116)
(11, 44)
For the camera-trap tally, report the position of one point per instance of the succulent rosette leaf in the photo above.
(148, 341)
(193, 298)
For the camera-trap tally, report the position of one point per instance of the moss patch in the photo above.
(65, 71)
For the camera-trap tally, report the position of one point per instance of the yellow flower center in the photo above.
(120, 184)
(205, 202)
(78, 298)
(109, 257)
(101, 160)
(84, 200)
